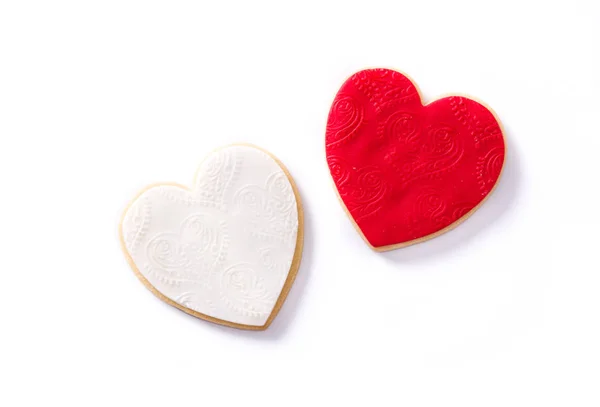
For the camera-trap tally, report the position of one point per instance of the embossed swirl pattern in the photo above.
(271, 208)
(244, 291)
(404, 170)
(347, 115)
(191, 254)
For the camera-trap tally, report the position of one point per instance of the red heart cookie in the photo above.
(404, 171)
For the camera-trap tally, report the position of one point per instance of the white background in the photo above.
(98, 99)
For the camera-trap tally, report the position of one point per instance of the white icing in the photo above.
(224, 248)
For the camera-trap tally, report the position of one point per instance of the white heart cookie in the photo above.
(227, 250)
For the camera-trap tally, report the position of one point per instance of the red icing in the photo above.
(404, 170)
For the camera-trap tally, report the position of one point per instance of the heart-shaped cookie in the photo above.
(407, 172)
(228, 249)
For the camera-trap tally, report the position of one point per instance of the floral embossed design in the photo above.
(191, 299)
(191, 254)
(137, 221)
(348, 117)
(269, 209)
(244, 291)
(215, 176)
(362, 188)
(488, 166)
(409, 170)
